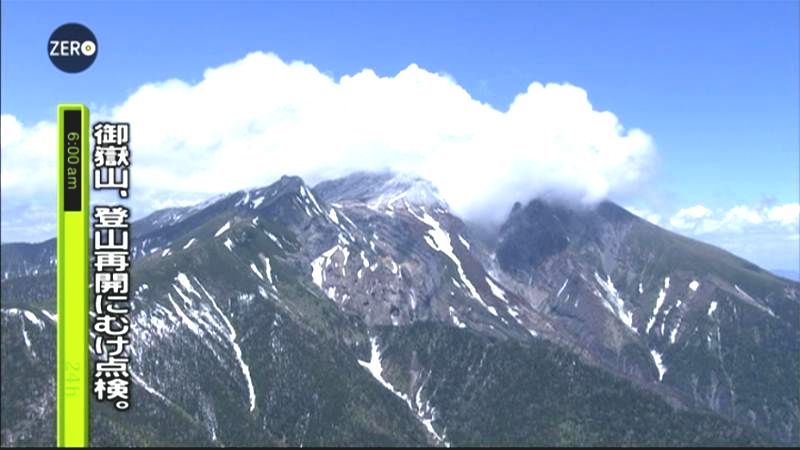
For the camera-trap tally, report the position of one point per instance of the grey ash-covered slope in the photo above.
(712, 329)
(364, 312)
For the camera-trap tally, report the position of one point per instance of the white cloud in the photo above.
(687, 218)
(246, 123)
(701, 220)
(787, 215)
(766, 235)
(739, 217)
(645, 214)
(28, 156)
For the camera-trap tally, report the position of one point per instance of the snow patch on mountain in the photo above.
(456, 321)
(33, 319)
(24, 315)
(231, 335)
(308, 198)
(274, 239)
(497, 291)
(185, 283)
(223, 228)
(332, 215)
(752, 301)
(244, 200)
(49, 315)
(711, 308)
(662, 369)
(439, 239)
(562, 287)
(184, 318)
(268, 270)
(673, 335)
(662, 294)
(147, 387)
(614, 303)
(256, 271)
(424, 414)
(318, 267)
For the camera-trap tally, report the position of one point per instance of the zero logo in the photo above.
(88, 48)
(72, 48)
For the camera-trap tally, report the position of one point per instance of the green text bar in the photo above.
(73, 276)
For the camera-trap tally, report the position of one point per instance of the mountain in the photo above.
(714, 330)
(788, 274)
(364, 312)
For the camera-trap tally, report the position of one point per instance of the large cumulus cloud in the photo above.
(248, 122)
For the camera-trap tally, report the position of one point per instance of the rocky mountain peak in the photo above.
(381, 190)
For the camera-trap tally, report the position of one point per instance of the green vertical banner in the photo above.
(73, 382)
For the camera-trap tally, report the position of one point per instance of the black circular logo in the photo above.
(72, 47)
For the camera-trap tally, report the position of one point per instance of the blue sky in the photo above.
(715, 84)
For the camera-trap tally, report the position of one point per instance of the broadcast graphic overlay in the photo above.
(73, 276)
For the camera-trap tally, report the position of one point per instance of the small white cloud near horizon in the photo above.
(686, 218)
(700, 220)
(645, 214)
(766, 234)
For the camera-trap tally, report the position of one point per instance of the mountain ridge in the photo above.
(356, 255)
